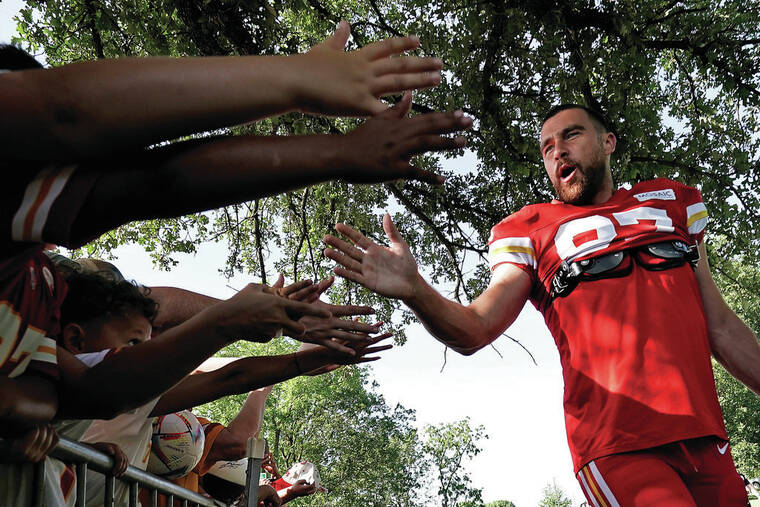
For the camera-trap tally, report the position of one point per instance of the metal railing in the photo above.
(85, 457)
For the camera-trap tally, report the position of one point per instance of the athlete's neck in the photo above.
(605, 191)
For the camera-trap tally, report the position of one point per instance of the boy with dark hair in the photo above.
(104, 322)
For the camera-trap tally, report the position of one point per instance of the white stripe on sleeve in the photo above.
(37, 204)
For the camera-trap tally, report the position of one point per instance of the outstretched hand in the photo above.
(387, 270)
(334, 82)
(380, 150)
(334, 332)
(255, 313)
(302, 488)
(362, 350)
(330, 332)
(303, 290)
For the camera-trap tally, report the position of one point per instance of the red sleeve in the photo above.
(510, 243)
(695, 212)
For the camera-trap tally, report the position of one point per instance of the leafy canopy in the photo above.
(678, 79)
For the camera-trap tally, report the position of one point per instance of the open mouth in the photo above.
(566, 172)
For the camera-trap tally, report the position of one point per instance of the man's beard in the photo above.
(585, 185)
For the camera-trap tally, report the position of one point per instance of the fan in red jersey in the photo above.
(622, 280)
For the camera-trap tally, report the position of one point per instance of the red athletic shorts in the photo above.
(696, 472)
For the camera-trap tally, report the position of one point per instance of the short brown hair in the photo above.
(599, 119)
(94, 296)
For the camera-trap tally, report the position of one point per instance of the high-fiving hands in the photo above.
(338, 333)
(380, 150)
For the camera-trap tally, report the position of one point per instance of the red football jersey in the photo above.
(634, 349)
(31, 293)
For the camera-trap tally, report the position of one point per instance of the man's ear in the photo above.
(610, 142)
(73, 338)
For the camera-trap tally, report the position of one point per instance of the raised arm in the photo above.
(96, 108)
(203, 174)
(392, 271)
(733, 344)
(231, 443)
(251, 373)
(176, 305)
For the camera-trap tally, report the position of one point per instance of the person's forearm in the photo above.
(252, 373)
(248, 421)
(25, 401)
(451, 323)
(246, 424)
(175, 306)
(240, 376)
(197, 175)
(735, 346)
(92, 109)
(221, 171)
(286, 496)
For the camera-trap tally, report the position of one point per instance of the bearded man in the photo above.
(622, 280)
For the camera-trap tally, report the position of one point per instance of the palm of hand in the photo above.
(389, 270)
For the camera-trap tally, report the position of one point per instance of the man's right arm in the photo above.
(392, 271)
(467, 329)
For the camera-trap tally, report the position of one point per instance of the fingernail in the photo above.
(438, 62)
(460, 141)
(441, 180)
(435, 78)
(415, 38)
(458, 113)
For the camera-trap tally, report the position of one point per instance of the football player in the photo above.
(622, 280)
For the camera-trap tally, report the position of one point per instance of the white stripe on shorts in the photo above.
(603, 485)
(587, 490)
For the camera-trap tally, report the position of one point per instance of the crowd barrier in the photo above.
(85, 457)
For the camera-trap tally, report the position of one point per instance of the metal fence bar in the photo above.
(133, 494)
(81, 483)
(37, 473)
(254, 453)
(70, 451)
(108, 501)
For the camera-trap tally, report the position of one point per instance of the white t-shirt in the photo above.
(132, 431)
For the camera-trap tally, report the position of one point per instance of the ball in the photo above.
(177, 445)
